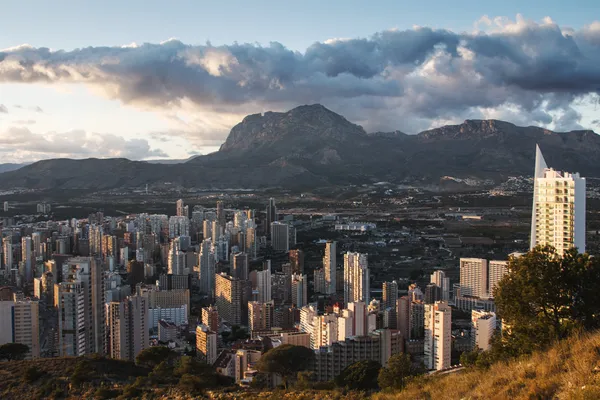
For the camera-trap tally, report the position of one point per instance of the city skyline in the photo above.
(146, 93)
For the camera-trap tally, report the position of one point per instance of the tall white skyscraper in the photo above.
(176, 260)
(356, 278)
(329, 266)
(439, 278)
(558, 215)
(438, 336)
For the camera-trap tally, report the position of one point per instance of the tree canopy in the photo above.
(398, 370)
(361, 375)
(286, 361)
(545, 297)
(153, 356)
(13, 351)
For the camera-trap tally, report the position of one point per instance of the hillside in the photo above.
(570, 370)
(310, 147)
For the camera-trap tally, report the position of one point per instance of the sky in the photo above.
(150, 80)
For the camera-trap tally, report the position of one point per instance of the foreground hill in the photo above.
(311, 146)
(570, 370)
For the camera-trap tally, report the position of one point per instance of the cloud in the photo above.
(393, 79)
(22, 142)
(25, 122)
(3, 109)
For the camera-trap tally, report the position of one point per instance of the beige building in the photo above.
(260, 315)
(206, 344)
(229, 294)
(19, 323)
(483, 326)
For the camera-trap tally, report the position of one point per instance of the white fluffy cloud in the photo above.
(531, 71)
(19, 143)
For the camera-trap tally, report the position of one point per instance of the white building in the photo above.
(438, 336)
(558, 215)
(483, 325)
(439, 278)
(263, 283)
(474, 277)
(356, 278)
(496, 271)
(206, 263)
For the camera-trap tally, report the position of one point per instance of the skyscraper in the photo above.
(390, 294)
(206, 262)
(439, 278)
(239, 268)
(128, 327)
(496, 271)
(206, 344)
(271, 215)
(438, 336)
(260, 315)
(280, 236)
(27, 258)
(210, 318)
(228, 298)
(20, 324)
(474, 277)
(176, 259)
(329, 267)
(263, 283)
(220, 214)
(299, 290)
(558, 214)
(72, 328)
(356, 278)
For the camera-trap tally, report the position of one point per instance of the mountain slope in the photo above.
(570, 370)
(311, 146)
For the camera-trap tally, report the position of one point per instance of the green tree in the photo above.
(13, 351)
(361, 375)
(398, 370)
(545, 297)
(153, 356)
(286, 361)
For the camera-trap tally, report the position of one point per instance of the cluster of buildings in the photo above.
(117, 286)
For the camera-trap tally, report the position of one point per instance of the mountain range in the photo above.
(311, 146)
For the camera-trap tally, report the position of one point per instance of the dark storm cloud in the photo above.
(414, 77)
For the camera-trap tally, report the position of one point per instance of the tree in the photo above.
(153, 356)
(395, 375)
(361, 375)
(545, 297)
(13, 351)
(286, 361)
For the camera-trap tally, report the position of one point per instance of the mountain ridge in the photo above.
(311, 146)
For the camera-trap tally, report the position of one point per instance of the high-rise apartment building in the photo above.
(439, 278)
(271, 214)
(27, 259)
(438, 336)
(558, 214)
(72, 329)
(329, 267)
(229, 294)
(356, 278)
(474, 277)
(390, 294)
(210, 318)
(239, 268)
(280, 236)
(128, 327)
(299, 290)
(176, 258)
(496, 271)
(260, 315)
(206, 344)
(220, 214)
(19, 323)
(263, 283)
(483, 325)
(206, 263)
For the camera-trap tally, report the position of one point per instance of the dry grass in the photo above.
(570, 370)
